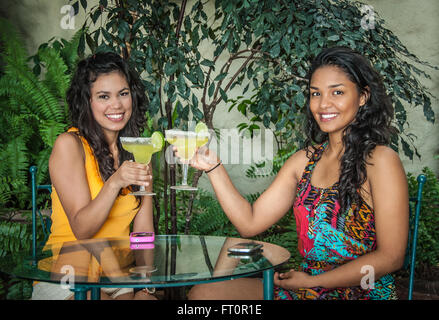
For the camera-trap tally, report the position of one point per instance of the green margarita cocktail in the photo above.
(187, 143)
(142, 150)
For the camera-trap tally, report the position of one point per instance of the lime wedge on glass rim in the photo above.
(158, 140)
(201, 127)
(202, 133)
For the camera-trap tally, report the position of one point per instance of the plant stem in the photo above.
(168, 108)
(191, 202)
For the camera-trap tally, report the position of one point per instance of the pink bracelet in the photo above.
(141, 246)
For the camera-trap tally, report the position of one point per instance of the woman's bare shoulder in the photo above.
(67, 144)
(384, 162)
(382, 156)
(297, 162)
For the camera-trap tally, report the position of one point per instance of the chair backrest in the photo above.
(415, 211)
(45, 221)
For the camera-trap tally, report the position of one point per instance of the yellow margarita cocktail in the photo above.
(187, 143)
(142, 150)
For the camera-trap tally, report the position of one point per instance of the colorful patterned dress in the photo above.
(328, 239)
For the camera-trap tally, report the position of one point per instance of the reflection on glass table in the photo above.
(172, 261)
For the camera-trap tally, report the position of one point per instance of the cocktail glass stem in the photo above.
(185, 169)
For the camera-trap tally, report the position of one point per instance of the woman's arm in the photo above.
(389, 195)
(253, 219)
(68, 176)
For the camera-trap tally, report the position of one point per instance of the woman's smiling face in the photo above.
(111, 101)
(334, 99)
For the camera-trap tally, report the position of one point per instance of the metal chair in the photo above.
(45, 221)
(415, 210)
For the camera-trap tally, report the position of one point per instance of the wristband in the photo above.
(216, 166)
(141, 237)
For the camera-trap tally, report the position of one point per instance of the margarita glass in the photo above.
(187, 143)
(142, 149)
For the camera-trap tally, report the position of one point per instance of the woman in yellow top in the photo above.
(89, 170)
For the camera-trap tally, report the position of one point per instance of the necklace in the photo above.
(313, 214)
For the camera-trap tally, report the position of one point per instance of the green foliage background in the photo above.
(428, 238)
(34, 110)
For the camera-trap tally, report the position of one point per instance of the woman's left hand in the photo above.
(293, 280)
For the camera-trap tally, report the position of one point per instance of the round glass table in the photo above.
(170, 261)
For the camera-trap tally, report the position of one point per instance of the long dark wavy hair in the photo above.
(371, 126)
(81, 116)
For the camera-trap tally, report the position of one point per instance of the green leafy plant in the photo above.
(14, 237)
(209, 218)
(427, 251)
(34, 110)
(286, 35)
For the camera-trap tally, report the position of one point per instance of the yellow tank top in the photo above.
(119, 219)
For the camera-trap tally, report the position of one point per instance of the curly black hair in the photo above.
(371, 126)
(81, 116)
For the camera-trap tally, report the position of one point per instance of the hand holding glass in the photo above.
(142, 149)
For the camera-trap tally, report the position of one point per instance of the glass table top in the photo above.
(170, 260)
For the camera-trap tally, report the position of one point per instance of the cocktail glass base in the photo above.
(142, 193)
(184, 187)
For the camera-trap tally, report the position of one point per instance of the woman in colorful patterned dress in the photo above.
(348, 190)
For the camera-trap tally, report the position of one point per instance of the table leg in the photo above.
(95, 293)
(268, 282)
(80, 292)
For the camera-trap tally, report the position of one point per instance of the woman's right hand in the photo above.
(204, 159)
(132, 173)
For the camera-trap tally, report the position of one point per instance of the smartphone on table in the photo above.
(245, 248)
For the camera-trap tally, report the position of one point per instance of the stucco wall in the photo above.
(415, 22)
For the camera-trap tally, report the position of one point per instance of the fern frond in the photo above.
(47, 105)
(18, 100)
(50, 130)
(13, 43)
(41, 162)
(19, 125)
(14, 237)
(5, 188)
(16, 67)
(56, 76)
(257, 170)
(209, 218)
(70, 51)
(15, 155)
(8, 85)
